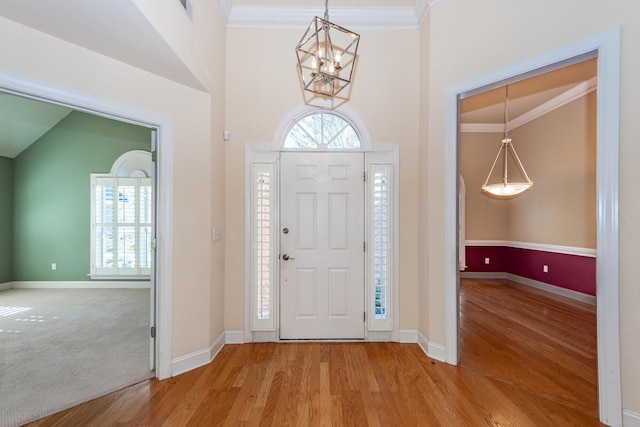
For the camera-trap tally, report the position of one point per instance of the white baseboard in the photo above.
(234, 337)
(6, 286)
(102, 284)
(408, 336)
(568, 293)
(630, 419)
(436, 351)
(380, 336)
(199, 358)
(403, 336)
(483, 275)
(432, 350)
(189, 362)
(217, 345)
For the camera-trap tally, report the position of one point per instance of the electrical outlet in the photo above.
(54, 266)
(545, 268)
(486, 261)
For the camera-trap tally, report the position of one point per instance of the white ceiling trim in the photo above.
(281, 17)
(482, 127)
(564, 98)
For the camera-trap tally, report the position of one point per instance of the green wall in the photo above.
(6, 219)
(51, 194)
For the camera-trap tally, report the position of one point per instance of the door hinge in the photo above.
(364, 246)
(154, 156)
(364, 174)
(154, 244)
(153, 332)
(364, 316)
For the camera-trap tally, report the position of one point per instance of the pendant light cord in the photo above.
(506, 113)
(326, 10)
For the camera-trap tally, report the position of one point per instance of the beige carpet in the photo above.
(62, 347)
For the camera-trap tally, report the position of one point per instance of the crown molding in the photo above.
(385, 18)
(224, 7)
(564, 98)
(421, 9)
(280, 17)
(482, 127)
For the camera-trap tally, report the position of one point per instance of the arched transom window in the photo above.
(323, 130)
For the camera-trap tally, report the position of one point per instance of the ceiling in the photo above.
(118, 29)
(115, 28)
(525, 95)
(24, 121)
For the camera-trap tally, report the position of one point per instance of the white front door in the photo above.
(322, 246)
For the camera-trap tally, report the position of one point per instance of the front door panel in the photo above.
(322, 251)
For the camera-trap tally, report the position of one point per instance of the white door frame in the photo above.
(22, 86)
(265, 153)
(607, 47)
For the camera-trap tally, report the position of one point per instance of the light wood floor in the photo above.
(527, 359)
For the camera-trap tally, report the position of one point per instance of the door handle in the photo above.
(287, 257)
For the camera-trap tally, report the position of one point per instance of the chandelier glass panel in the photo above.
(326, 56)
(506, 188)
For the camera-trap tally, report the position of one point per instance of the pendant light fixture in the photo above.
(507, 188)
(326, 56)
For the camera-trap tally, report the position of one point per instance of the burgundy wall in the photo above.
(497, 258)
(574, 272)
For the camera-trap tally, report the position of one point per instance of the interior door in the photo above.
(322, 246)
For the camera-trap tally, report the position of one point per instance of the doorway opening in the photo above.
(606, 47)
(161, 127)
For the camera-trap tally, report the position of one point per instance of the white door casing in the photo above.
(606, 46)
(23, 86)
(322, 283)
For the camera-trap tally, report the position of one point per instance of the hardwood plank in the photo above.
(527, 359)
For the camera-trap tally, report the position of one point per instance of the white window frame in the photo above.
(118, 272)
(261, 323)
(383, 321)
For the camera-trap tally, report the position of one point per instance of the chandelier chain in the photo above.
(326, 10)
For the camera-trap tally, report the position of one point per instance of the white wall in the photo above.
(43, 58)
(263, 88)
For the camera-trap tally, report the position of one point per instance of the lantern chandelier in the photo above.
(506, 188)
(326, 56)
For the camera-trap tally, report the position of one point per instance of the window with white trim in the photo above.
(322, 130)
(121, 220)
(264, 245)
(380, 253)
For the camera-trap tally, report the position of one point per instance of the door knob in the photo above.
(287, 257)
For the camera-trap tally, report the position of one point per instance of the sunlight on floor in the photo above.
(8, 311)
